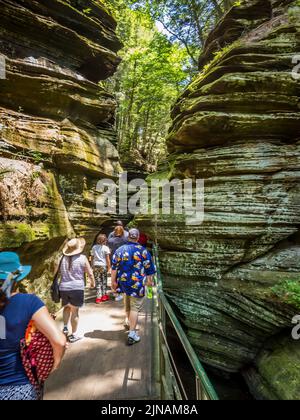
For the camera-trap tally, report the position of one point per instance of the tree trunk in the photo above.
(196, 19)
(131, 102)
(218, 8)
(228, 4)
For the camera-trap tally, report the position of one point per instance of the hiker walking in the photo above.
(119, 223)
(101, 267)
(73, 268)
(143, 240)
(132, 271)
(16, 311)
(117, 239)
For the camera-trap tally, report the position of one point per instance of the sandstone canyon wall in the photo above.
(237, 126)
(56, 125)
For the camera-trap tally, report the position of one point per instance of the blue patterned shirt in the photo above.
(133, 264)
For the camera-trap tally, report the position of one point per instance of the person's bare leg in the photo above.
(127, 309)
(74, 319)
(133, 320)
(66, 315)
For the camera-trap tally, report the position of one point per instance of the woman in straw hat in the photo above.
(73, 268)
(16, 311)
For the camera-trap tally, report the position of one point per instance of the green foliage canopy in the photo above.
(186, 21)
(151, 76)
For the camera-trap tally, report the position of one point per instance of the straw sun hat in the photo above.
(74, 247)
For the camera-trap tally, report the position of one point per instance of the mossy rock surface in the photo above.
(56, 128)
(275, 375)
(237, 128)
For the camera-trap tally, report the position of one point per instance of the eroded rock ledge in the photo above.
(56, 125)
(237, 127)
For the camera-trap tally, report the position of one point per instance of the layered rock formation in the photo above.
(56, 124)
(237, 127)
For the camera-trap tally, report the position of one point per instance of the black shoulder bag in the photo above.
(55, 293)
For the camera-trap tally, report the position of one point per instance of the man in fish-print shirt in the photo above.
(132, 270)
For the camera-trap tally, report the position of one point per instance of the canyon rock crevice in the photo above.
(237, 127)
(57, 135)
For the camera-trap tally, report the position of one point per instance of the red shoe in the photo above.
(99, 300)
(105, 298)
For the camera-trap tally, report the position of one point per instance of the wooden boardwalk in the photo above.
(102, 366)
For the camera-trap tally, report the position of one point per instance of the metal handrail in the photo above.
(202, 381)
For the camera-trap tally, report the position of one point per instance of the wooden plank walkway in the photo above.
(102, 366)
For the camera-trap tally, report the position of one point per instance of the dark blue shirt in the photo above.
(133, 263)
(16, 317)
(115, 242)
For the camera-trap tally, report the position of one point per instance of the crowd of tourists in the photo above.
(26, 326)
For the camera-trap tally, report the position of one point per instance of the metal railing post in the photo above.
(161, 352)
(199, 390)
(169, 374)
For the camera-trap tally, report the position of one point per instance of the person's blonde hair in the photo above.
(119, 231)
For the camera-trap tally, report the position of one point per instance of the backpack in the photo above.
(37, 357)
(55, 292)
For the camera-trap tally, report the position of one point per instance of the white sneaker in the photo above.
(74, 338)
(133, 338)
(66, 331)
(118, 298)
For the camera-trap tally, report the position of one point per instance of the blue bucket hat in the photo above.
(10, 265)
